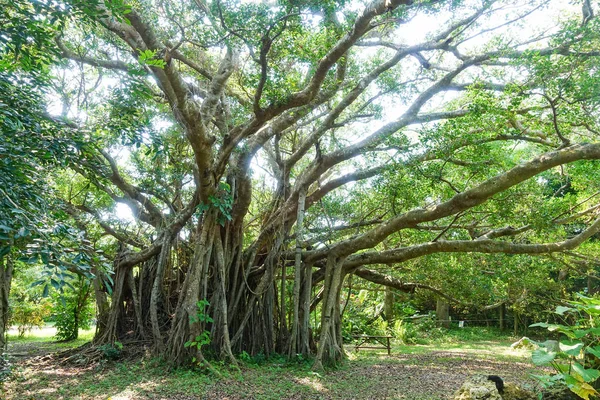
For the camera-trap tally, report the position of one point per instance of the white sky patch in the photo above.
(124, 213)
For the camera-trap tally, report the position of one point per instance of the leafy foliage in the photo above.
(29, 308)
(577, 360)
(73, 310)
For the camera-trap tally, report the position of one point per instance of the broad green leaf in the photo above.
(588, 375)
(4, 250)
(560, 310)
(571, 349)
(540, 325)
(594, 351)
(542, 356)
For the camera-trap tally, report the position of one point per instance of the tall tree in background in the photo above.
(258, 143)
(33, 227)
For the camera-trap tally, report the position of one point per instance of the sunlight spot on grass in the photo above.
(47, 390)
(312, 383)
(126, 394)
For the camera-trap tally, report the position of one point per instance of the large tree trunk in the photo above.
(186, 325)
(330, 350)
(295, 344)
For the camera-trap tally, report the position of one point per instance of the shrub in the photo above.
(73, 310)
(418, 331)
(576, 361)
(27, 309)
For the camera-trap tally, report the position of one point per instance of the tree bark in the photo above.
(156, 294)
(442, 310)
(389, 307)
(295, 343)
(330, 349)
(6, 274)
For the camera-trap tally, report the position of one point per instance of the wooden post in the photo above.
(501, 316)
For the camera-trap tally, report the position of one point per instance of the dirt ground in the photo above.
(423, 374)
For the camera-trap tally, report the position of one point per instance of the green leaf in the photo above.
(581, 389)
(540, 325)
(588, 375)
(593, 350)
(542, 356)
(560, 310)
(572, 350)
(4, 250)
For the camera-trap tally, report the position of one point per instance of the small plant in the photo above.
(245, 357)
(5, 368)
(73, 309)
(111, 351)
(575, 361)
(201, 316)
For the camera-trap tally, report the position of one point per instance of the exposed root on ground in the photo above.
(89, 354)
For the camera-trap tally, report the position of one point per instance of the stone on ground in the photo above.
(479, 387)
(524, 343)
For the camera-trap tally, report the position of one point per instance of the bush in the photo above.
(418, 331)
(27, 309)
(73, 310)
(576, 361)
(111, 351)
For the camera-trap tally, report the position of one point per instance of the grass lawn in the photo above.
(433, 371)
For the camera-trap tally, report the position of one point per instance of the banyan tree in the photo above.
(267, 150)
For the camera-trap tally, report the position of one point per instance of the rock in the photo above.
(478, 387)
(513, 392)
(524, 343)
(558, 393)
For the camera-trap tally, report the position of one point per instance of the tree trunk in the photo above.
(102, 306)
(185, 325)
(442, 310)
(156, 294)
(305, 333)
(295, 345)
(221, 307)
(501, 316)
(330, 350)
(6, 273)
(389, 307)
